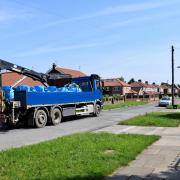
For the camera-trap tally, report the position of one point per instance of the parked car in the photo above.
(165, 101)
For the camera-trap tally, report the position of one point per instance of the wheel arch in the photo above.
(99, 102)
(42, 108)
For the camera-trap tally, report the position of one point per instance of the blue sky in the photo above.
(113, 38)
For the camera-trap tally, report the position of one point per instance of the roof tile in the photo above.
(73, 73)
(115, 82)
(12, 78)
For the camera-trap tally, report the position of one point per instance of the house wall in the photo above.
(126, 90)
(169, 91)
(161, 90)
(138, 89)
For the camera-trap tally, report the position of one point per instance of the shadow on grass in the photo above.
(171, 174)
(175, 116)
(92, 177)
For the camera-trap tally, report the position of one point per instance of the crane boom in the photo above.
(46, 79)
(5, 65)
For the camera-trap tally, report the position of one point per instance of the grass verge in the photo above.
(161, 119)
(171, 107)
(123, 105)
(80, 156)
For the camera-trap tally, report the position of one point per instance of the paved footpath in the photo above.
(160, 161)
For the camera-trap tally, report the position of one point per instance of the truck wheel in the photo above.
(40, 118)
(97, 110)
(56, 116)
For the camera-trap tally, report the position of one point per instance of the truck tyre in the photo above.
(56, 116)
(40, 119)
(97, 110)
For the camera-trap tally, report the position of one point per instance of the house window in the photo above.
(116, 88)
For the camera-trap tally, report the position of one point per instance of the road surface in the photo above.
(10, 138)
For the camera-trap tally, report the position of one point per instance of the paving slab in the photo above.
(162, 131)
(160, 161)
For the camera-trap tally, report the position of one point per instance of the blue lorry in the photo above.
(40, 105)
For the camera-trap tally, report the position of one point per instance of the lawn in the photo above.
(80, 156)
(161, 119)
(123, 105)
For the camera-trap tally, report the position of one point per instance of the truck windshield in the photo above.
(98, 84)
(85, 86)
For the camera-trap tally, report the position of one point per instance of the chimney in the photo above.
(139, 80)
(54, 66)
(146, 82)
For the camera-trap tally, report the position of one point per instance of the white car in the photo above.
(165, 101)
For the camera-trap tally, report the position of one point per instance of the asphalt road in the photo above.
(24, 136)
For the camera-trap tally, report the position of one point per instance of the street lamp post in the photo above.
(172, 58)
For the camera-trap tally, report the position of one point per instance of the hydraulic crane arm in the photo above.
(5, 65)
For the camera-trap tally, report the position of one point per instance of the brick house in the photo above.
(176, 90)
(166, 89)
(14, 79)
(139, 87)
(67, 75)
(160, 89)
(153, 88)
(145, 89)
(117, 87)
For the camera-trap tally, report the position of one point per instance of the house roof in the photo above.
(151, 86)
(15, 79)
(164, 86)
(111, 83)
(156, 85)
(115, 82)
(130, 91)
(72, 72)
(124, 84)
(138, 84)
(141, 84)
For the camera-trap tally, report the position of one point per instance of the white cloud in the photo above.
(9, 13)
(130, 8)
(5, 16)
(141, 19)
(43, 49)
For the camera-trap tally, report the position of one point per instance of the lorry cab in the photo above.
(88, 83)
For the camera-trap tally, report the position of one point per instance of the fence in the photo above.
(120, 99)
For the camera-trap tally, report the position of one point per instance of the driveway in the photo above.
(10, 138)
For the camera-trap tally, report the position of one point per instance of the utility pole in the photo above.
(172, 58)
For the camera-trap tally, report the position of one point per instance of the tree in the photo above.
(121, 78)
(131, 81)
